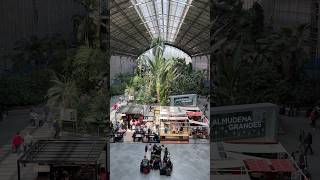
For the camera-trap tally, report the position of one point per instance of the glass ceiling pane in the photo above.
(162, 18)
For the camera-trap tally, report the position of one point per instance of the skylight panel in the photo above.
(162, 18)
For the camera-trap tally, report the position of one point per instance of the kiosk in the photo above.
(174, 125)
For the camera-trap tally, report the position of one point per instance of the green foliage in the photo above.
(255, 63)
(21, 90)
(63, 93)
(88, 68)
(39, 53)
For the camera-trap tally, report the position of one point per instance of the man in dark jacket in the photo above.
(308, 142)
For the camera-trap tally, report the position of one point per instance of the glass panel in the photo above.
(162, 17)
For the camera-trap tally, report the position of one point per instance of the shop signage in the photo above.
(239, 125)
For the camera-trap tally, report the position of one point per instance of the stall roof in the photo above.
(258, 165)
(173, 118)
(78, 152)
(190, 108)
(229, 163)
(131, 109)
(199, 123)
(230, 177)
(195, 114)
(282, 165)
(172, 111)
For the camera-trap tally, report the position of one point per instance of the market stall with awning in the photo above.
(174, 124)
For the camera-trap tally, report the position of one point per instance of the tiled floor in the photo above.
(190, 162)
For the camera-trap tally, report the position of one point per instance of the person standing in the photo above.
(56, 127)
(308, 143)
(312, 117)
(146, 149)
(28, 140)
(16, 142)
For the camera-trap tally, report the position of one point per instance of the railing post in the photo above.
(18, 166)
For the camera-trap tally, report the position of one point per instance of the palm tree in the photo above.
(63, 94)
(160, 72)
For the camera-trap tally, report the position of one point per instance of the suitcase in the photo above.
(163, 171)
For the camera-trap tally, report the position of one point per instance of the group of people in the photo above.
(36, 120)
(145, 133)
(20, 143)
(165, 165)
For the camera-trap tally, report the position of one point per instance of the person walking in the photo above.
(28, 140)
(301, 136)
(17, 142)
(56, 127)
(308, 143)
(33, 118)
(146, 149)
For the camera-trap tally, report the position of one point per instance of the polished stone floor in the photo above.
(190, 162)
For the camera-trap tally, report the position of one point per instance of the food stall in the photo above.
(134, 113)
(174, 125)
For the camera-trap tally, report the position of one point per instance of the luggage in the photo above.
(146, 170)
(163, 171)
(168, 171)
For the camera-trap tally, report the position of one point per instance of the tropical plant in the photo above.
(87, 25)
(160, 72)
(63, 94)
(255, 63)
(88, 68)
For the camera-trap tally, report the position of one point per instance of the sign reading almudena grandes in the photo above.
(244, 122)
(239, 125)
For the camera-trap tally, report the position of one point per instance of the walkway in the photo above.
(8, 165)
(290, 140)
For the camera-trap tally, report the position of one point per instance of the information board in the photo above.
(238, 125)
(183, 100)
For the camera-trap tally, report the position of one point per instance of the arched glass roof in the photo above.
(162, 18)
(171, 52)
(183, 24)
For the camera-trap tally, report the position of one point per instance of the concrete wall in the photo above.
(121, 65)
(201, 63)
(24, 18)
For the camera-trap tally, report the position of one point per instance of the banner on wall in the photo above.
(239, 125)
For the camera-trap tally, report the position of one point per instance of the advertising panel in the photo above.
(237, 125)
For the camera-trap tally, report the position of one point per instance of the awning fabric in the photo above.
(199, 123)
(258, 165)
(194, 113)
(282, 165)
